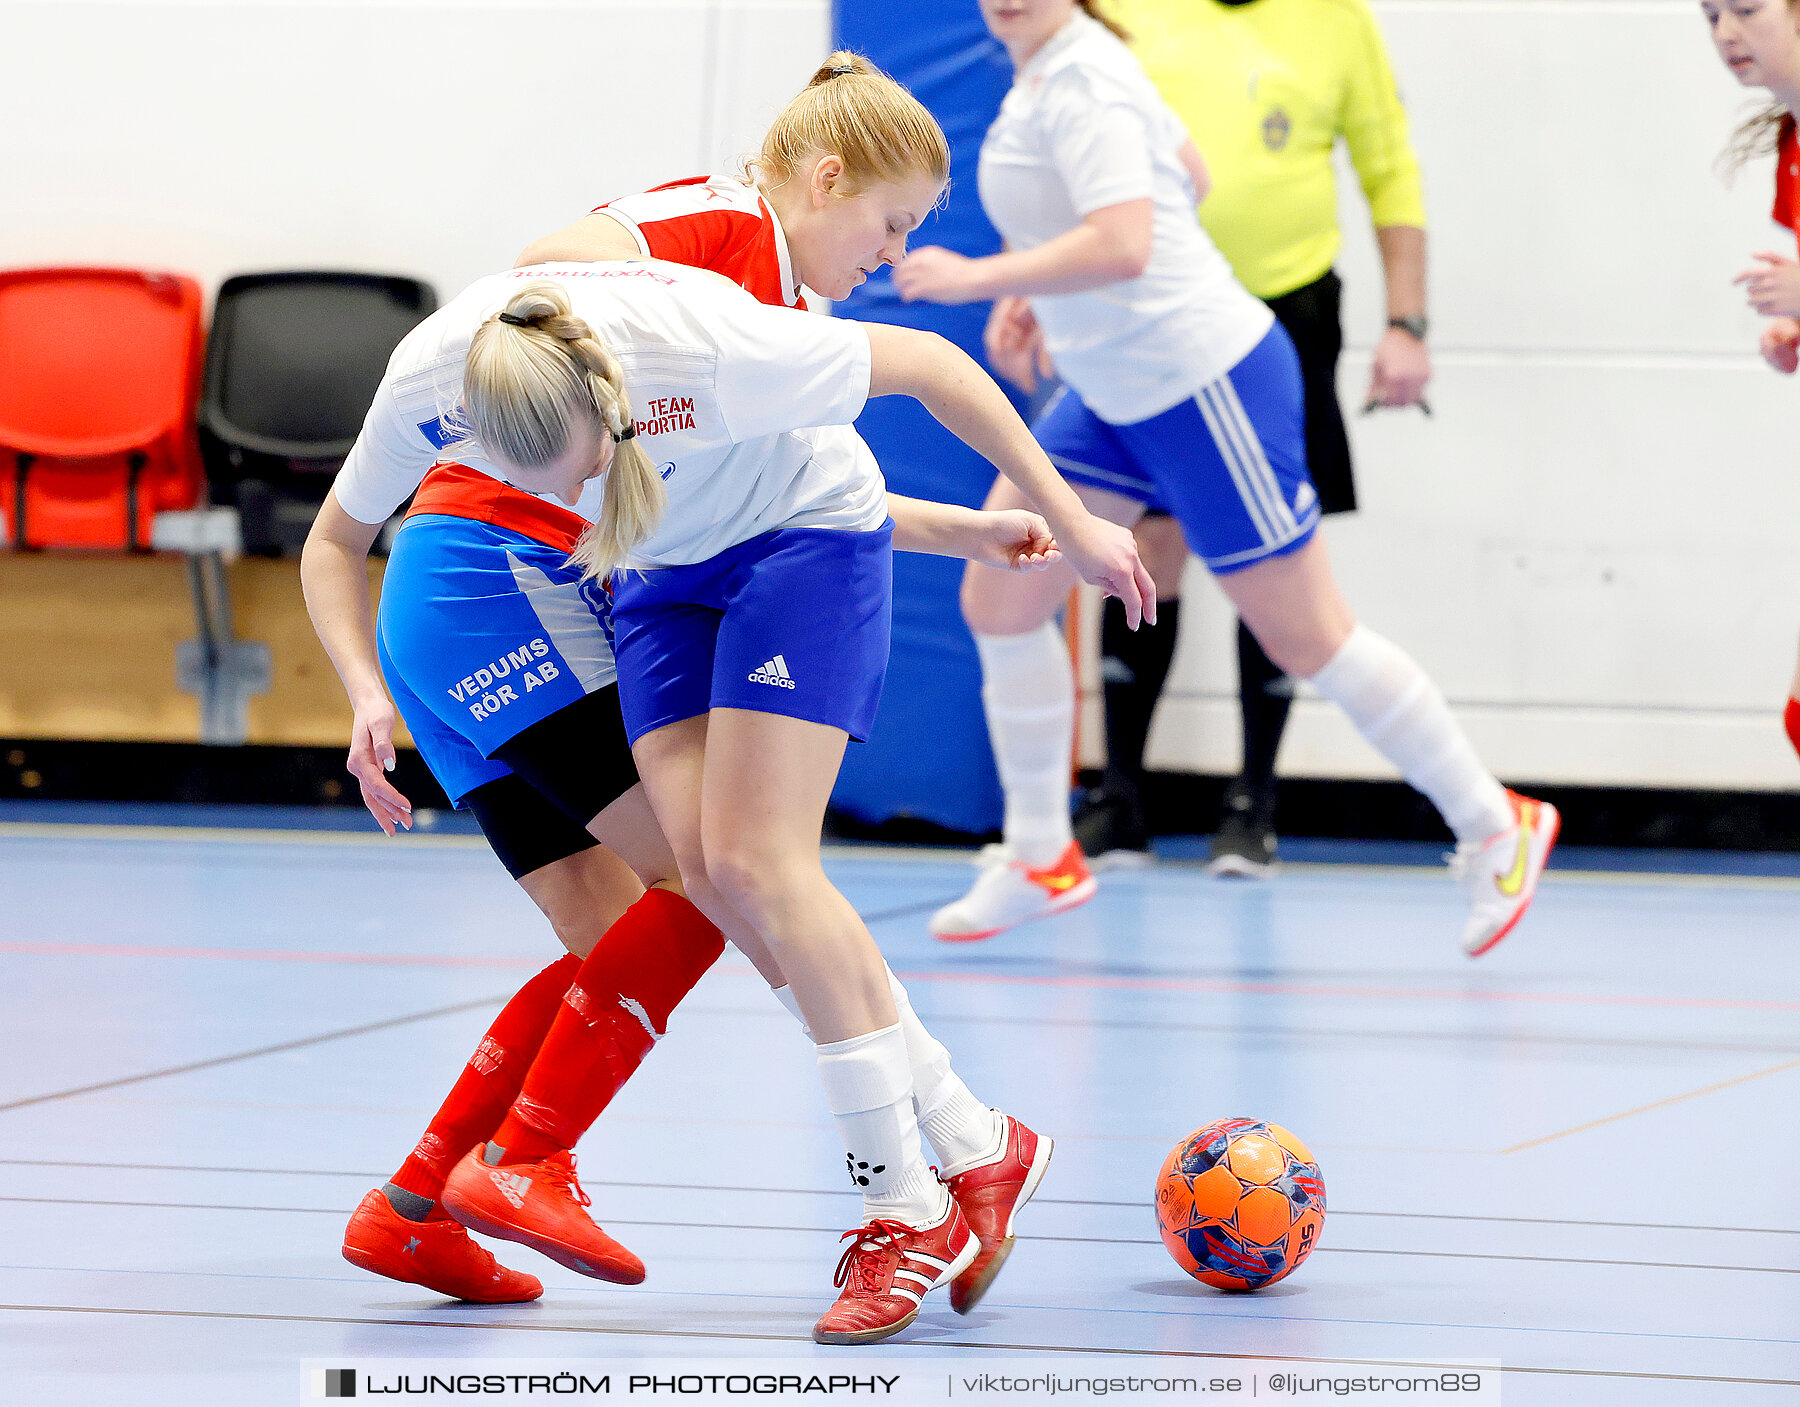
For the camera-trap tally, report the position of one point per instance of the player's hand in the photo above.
(1015, 344)
(1399, 371)
(1774, 288)
(1780, 345)
(937, 275)
(1106, 555)
(1014, 540)
(372, 758)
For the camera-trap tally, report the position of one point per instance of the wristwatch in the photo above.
(1415, 325)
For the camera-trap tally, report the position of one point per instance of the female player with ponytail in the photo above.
(542, 794)
(1759, 40)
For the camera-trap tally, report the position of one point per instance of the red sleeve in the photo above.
(702, 240)
(1787, 174)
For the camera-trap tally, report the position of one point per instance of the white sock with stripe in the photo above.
(868, 1087)
(1028, 691)
(962, 1130)
(1405, 716)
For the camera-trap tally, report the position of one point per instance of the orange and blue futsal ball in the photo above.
(1240, 1203)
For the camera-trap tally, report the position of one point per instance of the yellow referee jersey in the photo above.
(1265, 89)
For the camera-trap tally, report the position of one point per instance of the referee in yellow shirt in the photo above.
(1266, 88)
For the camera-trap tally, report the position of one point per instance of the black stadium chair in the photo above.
(291, 365)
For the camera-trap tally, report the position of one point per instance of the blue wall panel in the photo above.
(929, 755)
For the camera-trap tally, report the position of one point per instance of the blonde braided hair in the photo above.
(534, 372)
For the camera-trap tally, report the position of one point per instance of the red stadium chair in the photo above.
(99, 380)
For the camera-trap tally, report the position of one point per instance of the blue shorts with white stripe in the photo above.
(1228, 464)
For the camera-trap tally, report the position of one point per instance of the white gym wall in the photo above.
(426, 137)
(1594, 545)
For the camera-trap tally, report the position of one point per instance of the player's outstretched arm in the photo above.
(1014, 540)
(591, 239)
(335, 581)
(965, 401)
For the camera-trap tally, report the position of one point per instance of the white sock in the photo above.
(1405, 716)
(1028, 690)
(868, 1087)
(963, 1131)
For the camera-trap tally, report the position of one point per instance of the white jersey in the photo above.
(1082, 129)
(725, 392)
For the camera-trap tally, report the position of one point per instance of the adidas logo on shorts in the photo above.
(774, 672)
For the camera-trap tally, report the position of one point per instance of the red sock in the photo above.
(1793, 723)
(489, 1082)
(617, 1006)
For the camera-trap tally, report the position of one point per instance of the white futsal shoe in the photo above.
(1502, 871)
(1009, 892)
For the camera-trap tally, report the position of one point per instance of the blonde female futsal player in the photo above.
(1181, 393)
(1759, 40)
(795, 573)
(543, 787)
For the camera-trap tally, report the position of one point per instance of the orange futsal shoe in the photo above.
(888, 1270)
(436, 1254)
(1010, 892)
(990, 1195)
(538, 1205)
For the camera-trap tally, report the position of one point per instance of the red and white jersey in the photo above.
(713, 222)
(744, 409)
(1787, 181)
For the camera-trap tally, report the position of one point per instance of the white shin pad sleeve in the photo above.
(1406, 718)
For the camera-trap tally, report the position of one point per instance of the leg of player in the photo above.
(1028, 693)
(741, 796)
(1134, 664)
(520, 1184)
(400, 1230)
(991, 1162)
(1503, 840)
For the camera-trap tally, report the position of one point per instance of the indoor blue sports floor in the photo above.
(1577, 1157)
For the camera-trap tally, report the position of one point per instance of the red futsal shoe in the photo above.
(538, 1205)
(888, 1270)
(436, 1254)
(990, 1195)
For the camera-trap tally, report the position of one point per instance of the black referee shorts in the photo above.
(1311, 316)
(566, 770)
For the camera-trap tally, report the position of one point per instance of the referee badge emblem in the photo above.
(1276, 129)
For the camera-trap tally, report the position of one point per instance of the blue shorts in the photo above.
(482, 632)
(1229, 464)
(795, 621)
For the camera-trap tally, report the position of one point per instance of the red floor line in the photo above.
(1318, 989)
(133, 950)
(1211, 986)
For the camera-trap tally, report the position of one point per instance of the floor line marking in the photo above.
(851, 1192)
(1323, 989)
(1021, 1306)
(1201, 986)
(1061, 1240)
(924, 1347)
(1658, 1104)
(81, 830)
(60, 948)
(251, 1054)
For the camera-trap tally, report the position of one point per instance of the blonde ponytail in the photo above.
(535, 371)
(854, 111)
